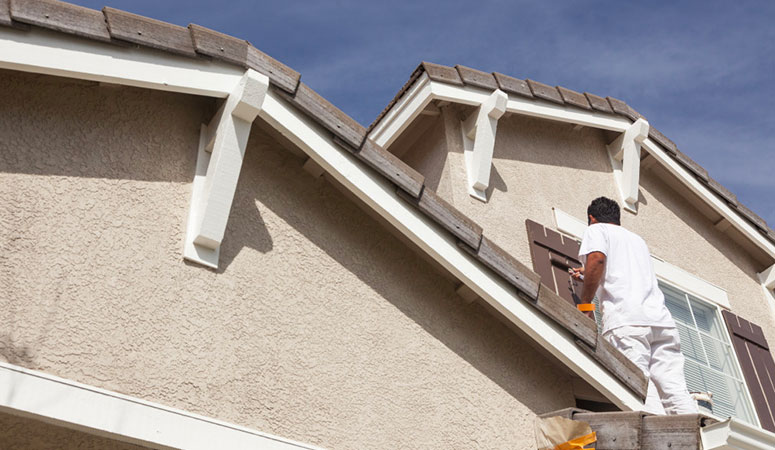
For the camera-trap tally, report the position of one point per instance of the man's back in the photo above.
(628, 294)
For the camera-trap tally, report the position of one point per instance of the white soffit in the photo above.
(665, 271)
(109, 414)
(424, 91)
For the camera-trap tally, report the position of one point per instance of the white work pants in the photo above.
(657, 352)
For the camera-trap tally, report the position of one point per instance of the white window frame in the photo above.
(677, 278)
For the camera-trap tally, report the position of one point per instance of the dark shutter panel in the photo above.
(552, 255)
(757, 364)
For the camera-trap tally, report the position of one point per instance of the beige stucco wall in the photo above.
(539, 164)
(22, 433)
(319, 326)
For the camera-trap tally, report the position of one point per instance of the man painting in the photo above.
(618, 269)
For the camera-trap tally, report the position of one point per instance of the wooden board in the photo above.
(279, 74)
(505, 265)
(219, 46)
(329, 116)
(395, 170)
(62, 17)
(149, 32)
(671, 432)
(476, 78)
(618, 364)
(447, 216)
(615, 430)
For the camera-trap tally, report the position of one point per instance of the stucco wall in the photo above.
(319, 326)
(539, 164)
(21, 433)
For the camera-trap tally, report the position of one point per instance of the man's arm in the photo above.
(593, 274)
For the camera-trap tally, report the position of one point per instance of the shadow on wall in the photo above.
(14, 353)
(136, 126)
(318, 211)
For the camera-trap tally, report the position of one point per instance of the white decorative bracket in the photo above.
(625, 159)
(767, 277)
(222, 146)
(479, 142)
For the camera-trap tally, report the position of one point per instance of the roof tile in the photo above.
(281, 75)
(512, 85)
(574, 98)
(725, 193)
(218, 45)
(507, 266)
(691, 165)
(61, 16)
(5, 16)
(753, 217)
(662, 140)
(545, 91)
(444, 74)
(598, 103)
(343, 126)
(415, 75)
(476, 78)
(619, 106)
(447, 216)
(391, 167)
(149, 32)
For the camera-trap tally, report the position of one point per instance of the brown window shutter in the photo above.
(552, 255)
(757, 364)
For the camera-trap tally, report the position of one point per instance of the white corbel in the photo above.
(479, 141)
(625, 159)
(222, 146)
(767, 277)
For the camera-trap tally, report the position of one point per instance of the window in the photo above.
(711, 365)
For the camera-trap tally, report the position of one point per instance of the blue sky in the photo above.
(703, 73)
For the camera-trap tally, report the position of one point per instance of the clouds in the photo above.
(702, 72)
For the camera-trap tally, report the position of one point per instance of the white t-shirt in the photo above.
(628, 293)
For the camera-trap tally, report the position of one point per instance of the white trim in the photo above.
(380, 194)
(665, 271)
(97, 411)
(424, 91)
(479, 131)
(624, 153)
(736, 434)
(767, 277)
(219, 160)
(711, 199)
(60, 54)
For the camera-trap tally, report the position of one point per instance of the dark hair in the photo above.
(604, 210)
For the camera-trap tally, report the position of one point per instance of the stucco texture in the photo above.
(539, 164)
(319, 326)
(22, 433)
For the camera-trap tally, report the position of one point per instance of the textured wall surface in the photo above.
(20, 433)
(319, 326)
(539, 164)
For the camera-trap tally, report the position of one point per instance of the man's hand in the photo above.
(576, 273)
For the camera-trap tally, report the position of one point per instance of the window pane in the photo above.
(719, 356)
(706, 318)
(690, 344)
(677, 304)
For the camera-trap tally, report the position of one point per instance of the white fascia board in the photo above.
(735, 434)
(411, 105)
(53, 53)
(711, 199)
(380, 195)
(109, 414)
(665, 271)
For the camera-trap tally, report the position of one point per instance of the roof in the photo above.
(122, 28)
(466, 76)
